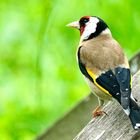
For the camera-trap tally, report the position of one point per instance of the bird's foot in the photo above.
(98, 112)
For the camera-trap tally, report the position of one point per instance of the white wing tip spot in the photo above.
(127, 111)
(126, 89)
(137, 126)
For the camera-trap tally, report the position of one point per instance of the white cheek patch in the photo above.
(90, 28)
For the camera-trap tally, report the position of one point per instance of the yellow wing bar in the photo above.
(94, 79)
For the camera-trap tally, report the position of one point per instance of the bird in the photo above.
(105, 66)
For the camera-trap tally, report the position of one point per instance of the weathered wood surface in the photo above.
(68, 126)
(115, 125)
(135, 63)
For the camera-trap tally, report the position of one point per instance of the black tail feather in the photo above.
(134, 114)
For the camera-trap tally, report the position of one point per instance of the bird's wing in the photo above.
(123, 76)
(116, 83)
(106, 82)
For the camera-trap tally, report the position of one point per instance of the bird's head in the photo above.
(90, 27)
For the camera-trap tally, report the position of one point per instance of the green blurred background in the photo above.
(39, 77)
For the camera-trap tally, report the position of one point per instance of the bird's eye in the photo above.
(83, 21)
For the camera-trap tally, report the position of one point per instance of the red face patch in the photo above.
(82, 23)
(82, 28)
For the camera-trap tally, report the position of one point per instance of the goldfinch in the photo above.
(105, 66)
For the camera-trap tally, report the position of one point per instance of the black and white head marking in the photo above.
(91, 26)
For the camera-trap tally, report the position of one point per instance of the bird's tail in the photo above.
(134, 114)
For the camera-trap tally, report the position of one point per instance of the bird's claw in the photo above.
(98, 112)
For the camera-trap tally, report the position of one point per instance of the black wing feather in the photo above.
(124, 78)
(109, 82)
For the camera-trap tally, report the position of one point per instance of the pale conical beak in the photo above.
(74, 24)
